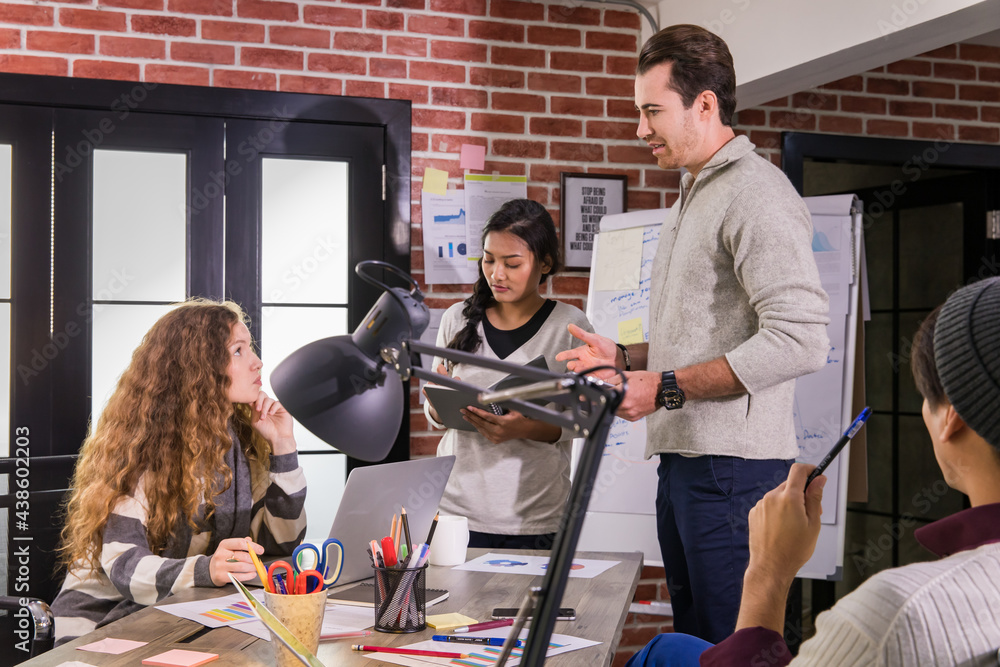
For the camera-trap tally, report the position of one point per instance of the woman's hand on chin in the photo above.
(273, 422)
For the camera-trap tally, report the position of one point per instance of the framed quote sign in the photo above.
(584, 200)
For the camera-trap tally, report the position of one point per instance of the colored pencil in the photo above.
(409, 651)
(406, 530)
(434, 525)
(475, 627)
(261, 572)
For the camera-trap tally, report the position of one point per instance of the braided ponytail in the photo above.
(529, 221)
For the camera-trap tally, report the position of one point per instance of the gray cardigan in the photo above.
(734, 275)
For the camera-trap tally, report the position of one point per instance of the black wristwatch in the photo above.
(671, 396)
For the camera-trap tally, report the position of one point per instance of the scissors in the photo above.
(296, 582)
(329, 560)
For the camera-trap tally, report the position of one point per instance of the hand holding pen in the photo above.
(851, 431)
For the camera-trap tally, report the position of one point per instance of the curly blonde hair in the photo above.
(167, 423)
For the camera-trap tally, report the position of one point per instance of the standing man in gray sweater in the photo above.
(736, 314)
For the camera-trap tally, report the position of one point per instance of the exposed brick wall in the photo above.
(544, 86)
(949, 94)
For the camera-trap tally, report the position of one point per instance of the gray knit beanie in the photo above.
(967, 355)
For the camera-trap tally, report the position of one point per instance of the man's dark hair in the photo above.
(701, 61)
(925, 372)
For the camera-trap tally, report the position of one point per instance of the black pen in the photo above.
(844, 439)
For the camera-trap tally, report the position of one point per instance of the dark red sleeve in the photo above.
(754, 647)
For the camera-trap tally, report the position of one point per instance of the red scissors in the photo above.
(296, 583)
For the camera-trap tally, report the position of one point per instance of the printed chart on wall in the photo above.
(446, 256)
(621, 515)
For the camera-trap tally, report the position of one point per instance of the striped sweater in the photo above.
(942, 612)
(132, 577)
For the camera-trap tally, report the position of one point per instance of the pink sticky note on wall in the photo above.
(473, 157)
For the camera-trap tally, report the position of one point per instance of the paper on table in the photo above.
(435, 181)
(74, 663)
(112, 646)
(181, 658)
(480, 656)
(582, 568)
(473, 157)
(619, 259)
(630, 332)
(215, 612)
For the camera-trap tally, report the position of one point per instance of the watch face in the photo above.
(672, 399)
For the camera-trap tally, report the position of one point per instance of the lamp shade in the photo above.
(343, 396)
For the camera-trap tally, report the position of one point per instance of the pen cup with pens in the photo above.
(400, 599)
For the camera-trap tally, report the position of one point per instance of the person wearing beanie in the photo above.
(942, 612)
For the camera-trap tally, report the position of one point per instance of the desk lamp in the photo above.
(339, 389)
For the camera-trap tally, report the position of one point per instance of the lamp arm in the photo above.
(564, 547)
(527, 372)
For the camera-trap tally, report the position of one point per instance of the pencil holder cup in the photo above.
(303, 616)
(400, 599)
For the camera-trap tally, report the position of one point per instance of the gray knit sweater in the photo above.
(132, 577)
(734, 275)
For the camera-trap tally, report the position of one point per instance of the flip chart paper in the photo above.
(619, 259)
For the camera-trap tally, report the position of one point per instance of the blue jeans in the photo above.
(702, 503)
(670, 650)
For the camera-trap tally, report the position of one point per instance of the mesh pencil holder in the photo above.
(400, 599)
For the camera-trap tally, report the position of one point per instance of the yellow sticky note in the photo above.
(630, 331)
(449, 621)
(435, 181)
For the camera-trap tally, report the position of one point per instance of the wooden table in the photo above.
(601, 606)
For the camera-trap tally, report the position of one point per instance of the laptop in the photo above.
(373, 494)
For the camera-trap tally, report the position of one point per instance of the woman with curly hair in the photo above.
(188, 459)
(511, 474)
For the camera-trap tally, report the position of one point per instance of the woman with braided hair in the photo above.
(188, 459)
(511, 474)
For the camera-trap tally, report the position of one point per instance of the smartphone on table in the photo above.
(565, 613)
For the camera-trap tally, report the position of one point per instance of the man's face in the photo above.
(664, 124)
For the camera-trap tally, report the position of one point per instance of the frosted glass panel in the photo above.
(118, 330)
(304, 252)
(284, 330)
(325, 478)
(5, 177)
(5, 379)
(139, 226)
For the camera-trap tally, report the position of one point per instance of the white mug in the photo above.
(451, 538)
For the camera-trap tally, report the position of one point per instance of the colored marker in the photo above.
(460, 639)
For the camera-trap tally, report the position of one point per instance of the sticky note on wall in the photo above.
(473, 157)
(435, 181)
(630, 332)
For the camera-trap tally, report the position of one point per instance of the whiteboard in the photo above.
(621, 514)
